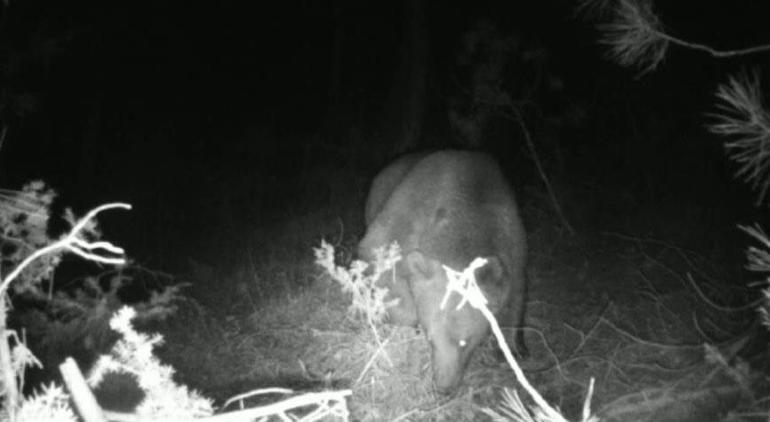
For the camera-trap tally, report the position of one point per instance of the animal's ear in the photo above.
(491, 274)
(491, 279)
(419, 265)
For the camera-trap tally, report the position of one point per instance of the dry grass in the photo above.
(620, 309)
(664, 337)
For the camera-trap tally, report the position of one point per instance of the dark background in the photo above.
(242, 133)
(217, 120)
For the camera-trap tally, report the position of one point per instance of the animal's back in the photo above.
(386, 183)
(450, 204)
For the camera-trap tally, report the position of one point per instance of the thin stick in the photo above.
(76, 245)
(714, 52)
(648, 401)
(380, 349)
(6, 365)
(2, 136)
(82, 396)
(750, 305)
(538, 164)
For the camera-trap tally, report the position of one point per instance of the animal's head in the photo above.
(453, 333)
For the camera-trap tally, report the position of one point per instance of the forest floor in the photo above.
(663, 329)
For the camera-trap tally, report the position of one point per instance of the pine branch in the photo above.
(741, 117)
(636, 36)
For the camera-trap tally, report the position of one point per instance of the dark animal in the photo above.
(447, 207)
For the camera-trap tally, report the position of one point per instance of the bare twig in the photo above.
(584, 337)
(642, 341)
(587, 401)
(464, 284)
(700, 331)
(74, 242)
(262, 391)
(373, 358)
(82, 396)
(516, 116)
(3, 133)
(557, 364)
(6, 365)
(327, 403)
(750, 305)
(649, 400)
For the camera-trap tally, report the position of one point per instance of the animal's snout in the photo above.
(446, 380)
(445, 386)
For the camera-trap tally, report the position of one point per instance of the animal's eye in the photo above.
(463, 343)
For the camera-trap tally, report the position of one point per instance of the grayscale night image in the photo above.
(385, 211)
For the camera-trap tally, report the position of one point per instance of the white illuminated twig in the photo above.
(464, 283)
(77, 244)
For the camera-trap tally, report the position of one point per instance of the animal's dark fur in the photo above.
(447, 207)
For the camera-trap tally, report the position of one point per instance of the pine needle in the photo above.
(741, 117)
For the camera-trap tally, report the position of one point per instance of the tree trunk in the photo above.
(409, 90)
(335, 69)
